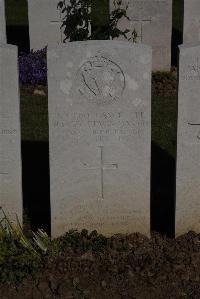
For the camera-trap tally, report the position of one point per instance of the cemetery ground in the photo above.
(88, 265)
(85, 264)
(82, 265)
(91, 266)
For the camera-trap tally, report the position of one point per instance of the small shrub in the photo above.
(16, 262)
(163, 76)
(19, 255)
(78, 17)
(81, 241)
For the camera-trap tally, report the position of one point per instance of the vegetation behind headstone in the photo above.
(90, 19)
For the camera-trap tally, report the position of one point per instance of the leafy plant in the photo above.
(77, 24)
(19, 255)
(18, 258)
(159, 76)
(78, 21)
(82, 241)
(116, 15)
(41, 239)
(14, 232)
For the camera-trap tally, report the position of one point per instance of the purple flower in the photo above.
(33, 67)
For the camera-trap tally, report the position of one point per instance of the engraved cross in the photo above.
(1, 172)
(141, 22)
(195, 124)
(102, 167)
(58, 22)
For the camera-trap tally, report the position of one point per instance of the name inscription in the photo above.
(103, 125)
(116, 218)
(8, 131)
(191, 71)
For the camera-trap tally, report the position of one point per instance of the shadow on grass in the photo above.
(36, 186)
(162, 192)
(35, 167)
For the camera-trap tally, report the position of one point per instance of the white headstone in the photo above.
(44, 23)
(10, 146)
(191, 28)
(100, 127)
(188, 148)
(152, 21)
(2, 22)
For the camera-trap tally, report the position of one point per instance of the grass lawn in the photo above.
(34, 121)
(164, 115)
(34, 118)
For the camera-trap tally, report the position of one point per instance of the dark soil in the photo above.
(163, 84)
(121, 267)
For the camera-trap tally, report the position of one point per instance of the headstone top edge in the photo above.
(167, 2)
(34, 1)
(8, 46)
(170, 1)
(189, 1)
(189, 45)
(121, 44)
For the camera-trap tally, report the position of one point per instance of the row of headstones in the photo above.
(152, 21)
(100, 137)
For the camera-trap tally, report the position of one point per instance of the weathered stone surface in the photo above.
(2, 22)
(152, 21)
(191, 30)
(99, 125)
(44, 23)
(10, 147)
(188, 147)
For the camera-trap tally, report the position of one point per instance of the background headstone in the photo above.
(100, 127)
(188, 143)
(2, 22)
(10, 147)
(191, 27)
(152, 20)
(44, 23)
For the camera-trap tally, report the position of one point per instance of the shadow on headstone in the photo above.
(162, 192)
(19, 36)
(35, 167)
(177, 34)
(36, 186)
